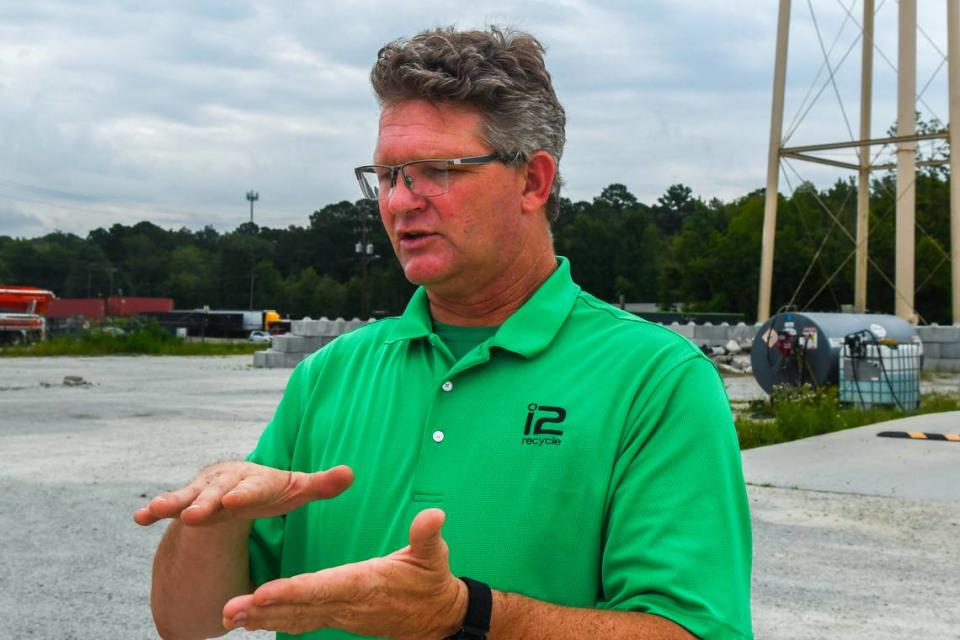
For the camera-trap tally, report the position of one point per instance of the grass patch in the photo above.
(149, 339)
(800, 412)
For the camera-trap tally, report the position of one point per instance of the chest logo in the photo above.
(535, 431)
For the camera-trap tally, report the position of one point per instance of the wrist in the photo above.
(476, 620)
(457, 611)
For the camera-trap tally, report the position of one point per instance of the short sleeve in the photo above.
(677, 539)
(275, 449)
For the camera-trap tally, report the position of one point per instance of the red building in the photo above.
(98, 308)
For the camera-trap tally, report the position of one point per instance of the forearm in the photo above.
(517, 617)
(196, 570)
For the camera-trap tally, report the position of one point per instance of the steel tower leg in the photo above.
(773, 163)
(953, 73)
(863, 183)
(906, 159)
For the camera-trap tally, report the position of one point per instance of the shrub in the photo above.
(800, 412)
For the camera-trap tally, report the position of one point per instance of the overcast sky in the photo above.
(171, 111)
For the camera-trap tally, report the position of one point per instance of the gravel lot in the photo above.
(79, 459)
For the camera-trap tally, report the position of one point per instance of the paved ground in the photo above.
(857, 534)
(78, 459)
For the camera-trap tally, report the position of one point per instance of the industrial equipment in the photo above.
(21, 313)
(881, 355)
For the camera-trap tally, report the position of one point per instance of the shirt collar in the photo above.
(527, 332)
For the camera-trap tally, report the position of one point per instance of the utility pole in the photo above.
(252, 196)
(364, 249)
(110, 271)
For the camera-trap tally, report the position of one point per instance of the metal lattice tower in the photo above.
(906, 139)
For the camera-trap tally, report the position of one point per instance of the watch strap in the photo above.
(476, 623)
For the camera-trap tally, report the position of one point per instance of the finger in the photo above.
(143, 517)
(289, 618)
(236, 606)
(425, 540)
(336, 584)
(206, 505)
(300, 589)
(250, 491)
(165, 505)
(326, 484)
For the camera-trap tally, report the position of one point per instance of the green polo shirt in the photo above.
(583, 457)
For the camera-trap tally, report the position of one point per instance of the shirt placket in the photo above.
(442, 433)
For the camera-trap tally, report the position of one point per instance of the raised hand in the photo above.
(243, 490)
(408, 594)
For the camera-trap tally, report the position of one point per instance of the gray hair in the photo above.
(500, 72)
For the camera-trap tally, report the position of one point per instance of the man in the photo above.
(584, 461)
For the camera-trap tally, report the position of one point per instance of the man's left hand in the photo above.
(408, 594)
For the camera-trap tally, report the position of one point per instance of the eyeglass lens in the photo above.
(426, 179)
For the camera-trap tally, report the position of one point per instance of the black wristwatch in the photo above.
(476, 624)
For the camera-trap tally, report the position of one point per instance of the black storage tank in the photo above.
(793, 348)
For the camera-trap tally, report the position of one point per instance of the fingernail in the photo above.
(266, 603)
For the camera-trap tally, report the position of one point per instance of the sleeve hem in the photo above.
(701, 626)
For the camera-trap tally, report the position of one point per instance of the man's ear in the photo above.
(541, 169)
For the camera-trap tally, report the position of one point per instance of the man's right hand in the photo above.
(244, 491)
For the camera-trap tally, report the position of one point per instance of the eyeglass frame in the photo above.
(398, 169)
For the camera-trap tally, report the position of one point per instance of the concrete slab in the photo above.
(857, 461)
(79, 459)
(852, 567)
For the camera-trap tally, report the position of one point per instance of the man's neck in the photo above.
(492, 306)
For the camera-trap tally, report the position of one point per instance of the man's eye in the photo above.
(428, 171)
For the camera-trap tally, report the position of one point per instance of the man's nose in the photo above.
(401, 199)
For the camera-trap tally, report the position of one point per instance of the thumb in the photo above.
(426, 542)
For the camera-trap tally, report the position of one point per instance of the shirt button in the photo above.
(438, 436)
(447, 386)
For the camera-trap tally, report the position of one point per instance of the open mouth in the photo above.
(409, 237)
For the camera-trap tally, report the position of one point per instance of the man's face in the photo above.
(462, 241)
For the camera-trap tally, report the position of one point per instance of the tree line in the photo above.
(680, 250)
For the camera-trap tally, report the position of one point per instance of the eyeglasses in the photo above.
(426, 178)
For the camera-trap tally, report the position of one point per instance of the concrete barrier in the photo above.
(941, 344)
(686, 330)
(306, 336)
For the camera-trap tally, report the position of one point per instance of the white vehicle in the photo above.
(260, 336)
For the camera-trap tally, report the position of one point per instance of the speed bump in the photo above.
(920, 435)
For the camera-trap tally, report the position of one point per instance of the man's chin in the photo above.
(425, 275)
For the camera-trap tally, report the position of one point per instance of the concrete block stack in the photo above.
(941, 347)
(686, 330)
(710, 334)
(305, 337)
(720, 335)
(941, 344)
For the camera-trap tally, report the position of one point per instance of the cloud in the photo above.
(17, 224)
(117, 112)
